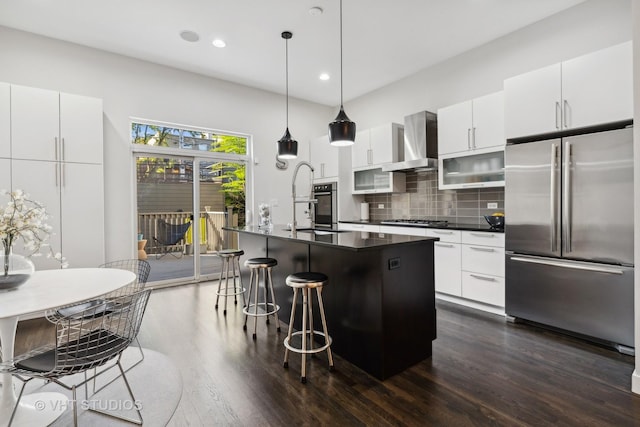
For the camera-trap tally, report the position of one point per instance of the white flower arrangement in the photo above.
(23, 218)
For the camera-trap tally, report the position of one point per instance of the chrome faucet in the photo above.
(294, 200)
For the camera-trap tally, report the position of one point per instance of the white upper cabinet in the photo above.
(454, 128)
(48, 125)
(324, 157)
(385, 143)
(81, 129)
(593, 89)
(377, 145)
(598, 88)
(361, 150)
(35, 123)
(5, 121)
(471, 125)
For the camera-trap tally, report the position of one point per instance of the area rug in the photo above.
(156, 385)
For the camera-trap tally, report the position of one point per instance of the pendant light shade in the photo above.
(287, 146)
(342, 131)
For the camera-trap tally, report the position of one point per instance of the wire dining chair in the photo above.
(84, 341)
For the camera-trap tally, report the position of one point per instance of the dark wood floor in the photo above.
(484, 371)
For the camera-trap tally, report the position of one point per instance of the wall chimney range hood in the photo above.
(420, 149)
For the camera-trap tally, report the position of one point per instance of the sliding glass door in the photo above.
(184, 201)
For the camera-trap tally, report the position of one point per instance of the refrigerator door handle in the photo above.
(553, 194)
(600, 269)
(567, 197)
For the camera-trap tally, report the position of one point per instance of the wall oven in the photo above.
(326, 210)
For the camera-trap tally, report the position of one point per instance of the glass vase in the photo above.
(16, 270)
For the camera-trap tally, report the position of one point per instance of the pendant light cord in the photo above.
(286, 73)
(341, 101)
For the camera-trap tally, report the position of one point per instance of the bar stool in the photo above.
(264, 308)
(230, 257)
(307, 281)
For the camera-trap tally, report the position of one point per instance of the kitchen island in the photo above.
(380, 299)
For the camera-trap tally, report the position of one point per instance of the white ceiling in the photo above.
(384, 40)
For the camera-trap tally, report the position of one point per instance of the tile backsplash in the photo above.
(423, 200)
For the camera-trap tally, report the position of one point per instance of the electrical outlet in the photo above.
(492, 205)
(380, 205)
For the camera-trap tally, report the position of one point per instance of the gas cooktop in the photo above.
(423, 222)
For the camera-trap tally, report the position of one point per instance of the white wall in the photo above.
(587, 27)
(133, 88)
(635, 378)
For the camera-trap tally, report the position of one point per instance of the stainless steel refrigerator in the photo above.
(569, 234)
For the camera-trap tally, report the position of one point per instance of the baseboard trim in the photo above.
(473, 304)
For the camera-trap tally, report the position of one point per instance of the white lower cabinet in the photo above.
(447, 261)
(483, 267)
(350, 226)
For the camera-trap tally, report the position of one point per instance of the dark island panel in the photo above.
(380, 299)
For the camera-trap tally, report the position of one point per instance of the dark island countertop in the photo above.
(351, 240)
(450, 226)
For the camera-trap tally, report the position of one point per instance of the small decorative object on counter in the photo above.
(496, 220)
(22, 218)
(264, 216)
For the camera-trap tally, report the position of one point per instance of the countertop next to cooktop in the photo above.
(449, 226)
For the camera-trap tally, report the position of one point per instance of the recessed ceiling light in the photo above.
(324, 76)
(315, 11)
(218, 43)
(189, 36)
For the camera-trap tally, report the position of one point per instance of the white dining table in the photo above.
(43, 291)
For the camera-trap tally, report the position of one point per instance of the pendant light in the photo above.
(342, 131)
(287, 146)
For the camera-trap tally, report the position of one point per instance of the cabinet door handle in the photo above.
(62, 156)
(55, 148)
(484, 235)
(473, 137)
(62, 180)
(565, 113)
(557, 115)
(56, 173)
(442, 232)
(488, 279)
(469, 138)
(370, 156)
(475, 248)
(443, 245)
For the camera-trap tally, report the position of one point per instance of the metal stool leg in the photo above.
(224, 261)
(273, 300)
(324, 328)
(226, 286)
(257, 290)
(289, 333)
(246, 316)
(244, 301)
(310, 299)
(303, 377)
